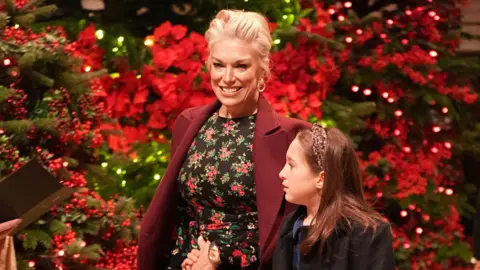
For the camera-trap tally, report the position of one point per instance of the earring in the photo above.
(261, 85)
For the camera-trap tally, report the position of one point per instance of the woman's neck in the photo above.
(229, 112)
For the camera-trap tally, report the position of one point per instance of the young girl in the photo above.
(334, 227)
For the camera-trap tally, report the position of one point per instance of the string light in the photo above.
(115, 49)
(83, 244)
(444, 110)
(7, 62)
(406, 246)
(65, 164)
(359, 31)
(408, 12)
(104, 164)
(367, 92)
(434, 150)
(76, 256)
(119, 171)
(398, 113)
(156, 177)
(341, 18)
(149, 41)
(391, 100)
(436, 129)
(331, 11)
(404, 41)
(426, 217)
(276, 41)
(436, 18)
(124, 183)
(403, 213)
(100, 34)
(448, 145)
(433, 53)
(441, 189)
(396, 132)
(383, 36)
(284, 17)
(121, 39)
(390, 21)
(61, 253)
(411, 206)
(31, 264)
(379, 194)
(17, 26)
(348, 39)
(385, 95)
(87, 68)
(432, 13)
(449, 191)
(347, 4)
(406, 149)
(419, 230)
(355, 88)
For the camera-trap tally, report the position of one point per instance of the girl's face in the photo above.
(301, 184)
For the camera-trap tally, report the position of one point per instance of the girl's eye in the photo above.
(243, 66)
(217, 65)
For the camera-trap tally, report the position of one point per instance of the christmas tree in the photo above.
(49, 112)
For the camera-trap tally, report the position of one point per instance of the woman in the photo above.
(334, 227)
(222, 181)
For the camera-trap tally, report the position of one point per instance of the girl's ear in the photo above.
(320, 179)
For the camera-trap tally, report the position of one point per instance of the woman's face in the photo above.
(235, 72)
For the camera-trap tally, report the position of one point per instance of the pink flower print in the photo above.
(225, 152)
(228, 126)
(218, 201)
(237, 253)
(192, 224)
(190, 184)
(208, 134)
(213, 171)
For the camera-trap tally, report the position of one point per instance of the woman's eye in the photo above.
(217, 65)
(242, 66)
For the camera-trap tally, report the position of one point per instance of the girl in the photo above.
(334, 227)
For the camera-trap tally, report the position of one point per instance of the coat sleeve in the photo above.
(376, 249)
(153, 245)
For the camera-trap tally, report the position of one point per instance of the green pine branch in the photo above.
(5, 93)
(35, 237)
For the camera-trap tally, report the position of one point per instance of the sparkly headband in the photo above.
(319, 141)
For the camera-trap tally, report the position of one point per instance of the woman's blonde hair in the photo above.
(248, 26)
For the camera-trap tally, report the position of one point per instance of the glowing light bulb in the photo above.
(367, 92)
(403, 213)
(355, 88)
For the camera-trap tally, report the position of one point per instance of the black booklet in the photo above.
(30, 192)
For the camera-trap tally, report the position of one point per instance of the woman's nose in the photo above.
(229, 75)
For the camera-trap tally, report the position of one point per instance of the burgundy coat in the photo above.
(272, 136)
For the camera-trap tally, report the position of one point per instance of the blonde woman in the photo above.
(222, 182)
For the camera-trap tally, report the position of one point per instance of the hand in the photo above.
(477, 266)
(202, 262)
(191, 259)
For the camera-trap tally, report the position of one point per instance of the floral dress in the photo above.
(218, 194)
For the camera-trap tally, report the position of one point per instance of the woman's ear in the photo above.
(320, 180)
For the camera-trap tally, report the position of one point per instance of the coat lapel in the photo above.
(270, 144)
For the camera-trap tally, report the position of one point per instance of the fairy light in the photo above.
(396, 132)
(419, 230)
(331, 11)
(65, 164)
(379, 194)
(436, 129)
(403, 213)
(411, 206)
(432, 13)
(83, 244)
(148, 41)
(120, 39)
(385, 94)
(31, 264)
(359, 31)
(348, 39)
(436, 18)
(433, 53)
(87, 68)
(367, 92)
(104, 164)
(100, 34)
(434, 150)
(61, 253)
(426, 217)
(447, 145)
(406, 149)
(156, 177)
(408, 12)
(404, 41)
(383, 36)
(449, 191)
(391, 100)
(347, 4)
(444, 110)
(441, 189)
(355, 88)
(398, 113)
(7, 62)
(406, 246)
(276, 41)
(390, 21)
(341, 18)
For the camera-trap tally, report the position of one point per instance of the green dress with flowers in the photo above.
(218, 193)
